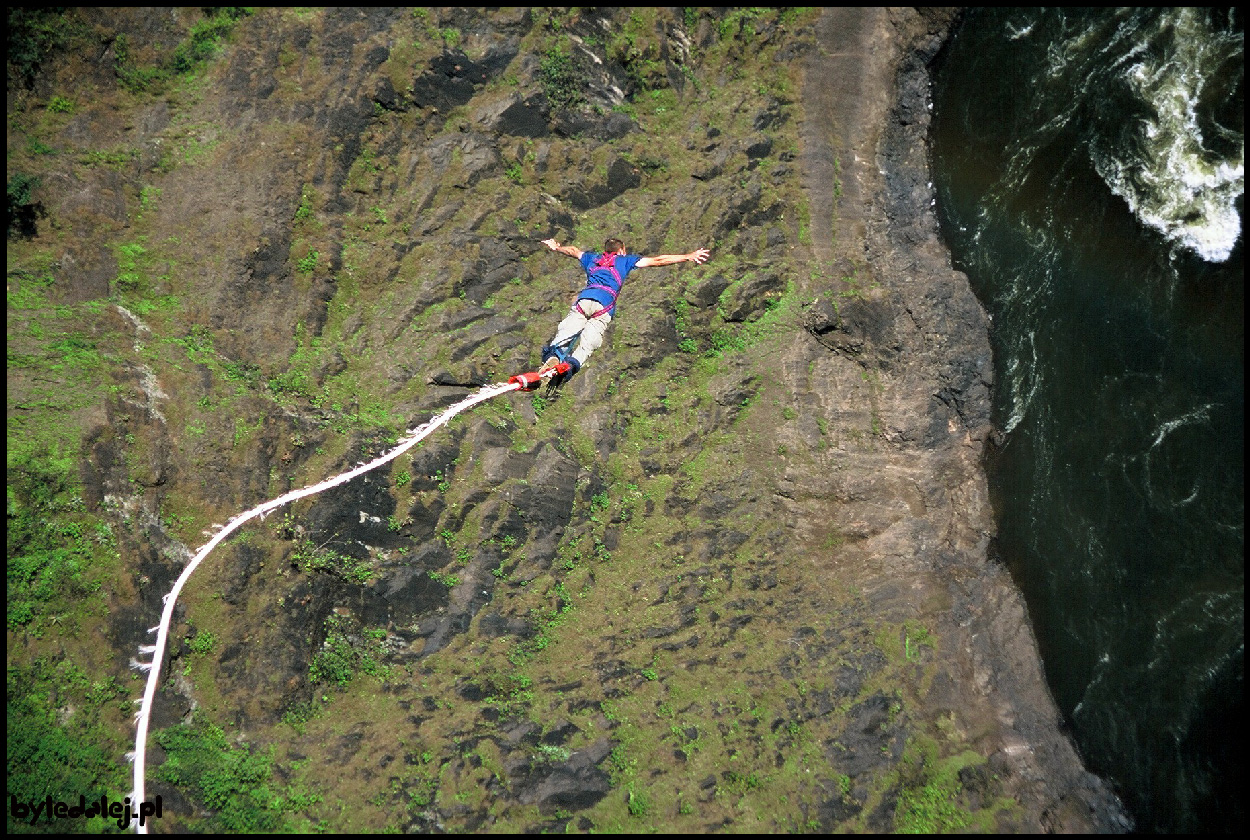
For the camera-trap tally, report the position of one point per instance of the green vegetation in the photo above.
(446, 579)
(200, 45)
(135, 286)
(20, 210)
(203, 643)
(33, 33)
(235, 783)
(931, 800)
(318, 558)
(204, 40)
(561, 81)
(307, 264)
(59, 554)
(637, 47)
(64, 732)
(305, 209)
(345, 653)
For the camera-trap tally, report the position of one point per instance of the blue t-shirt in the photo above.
(602, 285)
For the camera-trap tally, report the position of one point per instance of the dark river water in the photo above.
(1089, 167)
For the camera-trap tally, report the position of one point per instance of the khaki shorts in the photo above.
(583, 318)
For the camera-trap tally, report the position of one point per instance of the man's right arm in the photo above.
(568, 250)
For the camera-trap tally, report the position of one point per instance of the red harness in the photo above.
(603, 310)
(605, 261)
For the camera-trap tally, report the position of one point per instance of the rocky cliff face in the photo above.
(734, 577)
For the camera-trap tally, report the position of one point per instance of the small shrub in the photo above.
(447, 580)
(22, 212)
(204, 39)
(200, 45)
(308, 264)
(559, 78)
(317, 558)
(638, 803)
(934, 808)
(335, 662)
(342, 655)
(35, 146)
(133, 78)
(551, 754)
(305, 209)
(49, 753)
(203, 643)
(57, 553)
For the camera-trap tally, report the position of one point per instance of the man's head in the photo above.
(613, 246)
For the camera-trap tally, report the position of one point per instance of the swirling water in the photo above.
(1089, 167)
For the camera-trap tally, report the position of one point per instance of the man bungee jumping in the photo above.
(582, 330)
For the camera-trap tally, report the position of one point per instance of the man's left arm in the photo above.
(697, 256)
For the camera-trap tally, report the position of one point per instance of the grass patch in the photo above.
(931, 800)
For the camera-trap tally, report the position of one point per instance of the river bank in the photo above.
(869, 91)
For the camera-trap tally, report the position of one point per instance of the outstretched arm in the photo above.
(697, 256)
(569, 250)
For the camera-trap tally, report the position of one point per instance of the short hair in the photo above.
(612, 245)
